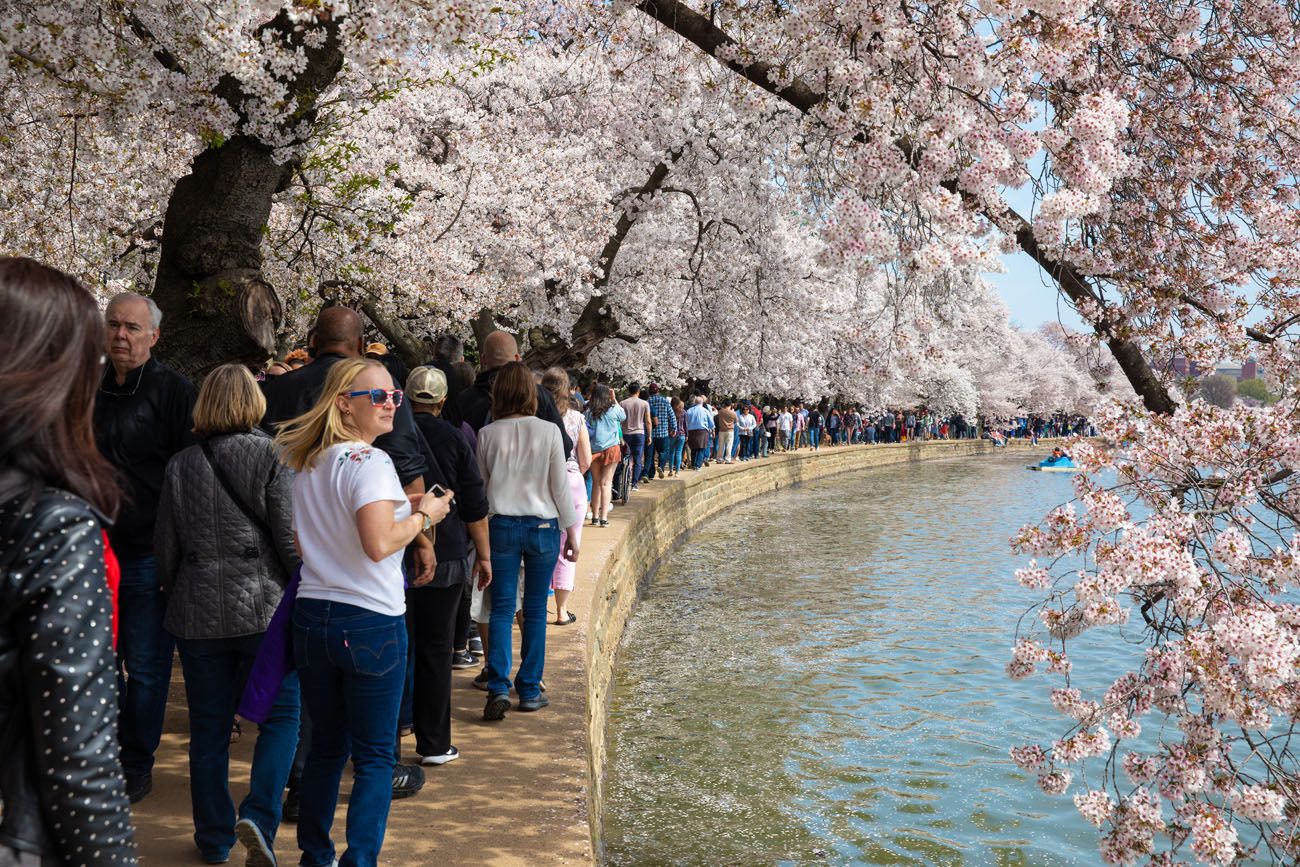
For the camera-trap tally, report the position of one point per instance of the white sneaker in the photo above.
(450, 756)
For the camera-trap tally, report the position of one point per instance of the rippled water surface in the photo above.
(817, 676)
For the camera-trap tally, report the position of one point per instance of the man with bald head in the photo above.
(475, 403)
(142, 418)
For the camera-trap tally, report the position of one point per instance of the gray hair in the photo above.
(155, 314)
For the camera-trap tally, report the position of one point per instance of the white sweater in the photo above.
(522, 460)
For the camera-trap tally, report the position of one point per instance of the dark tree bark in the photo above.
(700, 30)
(217, 304)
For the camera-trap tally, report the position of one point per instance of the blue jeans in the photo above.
(635, 442)
(535, 541)
(662, 450)
(144, 664)
(216, 670)
(815, 437)
(352, 665)
(677, 445)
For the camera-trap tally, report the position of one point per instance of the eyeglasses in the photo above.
(379, 396)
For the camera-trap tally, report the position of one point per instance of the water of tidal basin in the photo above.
(816, 676)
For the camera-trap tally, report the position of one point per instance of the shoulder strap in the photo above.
(224, 481)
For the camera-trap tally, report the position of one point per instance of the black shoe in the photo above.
(527, 705)
(481, 681)
(463, 659)
(407, 780)
(476, 646)
(496, 707)
(138, 786)
(289, 812)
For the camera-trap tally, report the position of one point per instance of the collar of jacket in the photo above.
(131, 383)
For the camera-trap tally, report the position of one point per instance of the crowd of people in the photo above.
(321, 543)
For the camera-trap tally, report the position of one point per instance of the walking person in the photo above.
(605, 419)
(352, 521)
(699, 424)
(224, 545)
(61, 785)
(663, 428)
(437, 621)
(142, 418)
(576, 465)
(635, 427)
(679, 439)
(524, 468)
(726, 422)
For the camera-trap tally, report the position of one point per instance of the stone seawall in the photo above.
(657, 519)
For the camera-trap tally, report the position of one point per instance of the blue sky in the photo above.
(1031, 298)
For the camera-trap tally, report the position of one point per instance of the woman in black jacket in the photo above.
(62, 795)
(224, 544)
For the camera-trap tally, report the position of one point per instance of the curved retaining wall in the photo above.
(659, 516)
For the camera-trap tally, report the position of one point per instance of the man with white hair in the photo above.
(142, 417)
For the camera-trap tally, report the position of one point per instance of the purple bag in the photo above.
(274, 658)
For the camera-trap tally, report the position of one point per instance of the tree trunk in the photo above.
(217, 304)
(408, 347)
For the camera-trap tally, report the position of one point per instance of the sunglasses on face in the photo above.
(379, 396)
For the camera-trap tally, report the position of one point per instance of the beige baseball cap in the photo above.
(427, 385)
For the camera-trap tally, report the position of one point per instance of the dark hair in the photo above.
(50, 370)
(634, 388)
(459, 377)
(602, 398)
(448, 348)
(514, 391)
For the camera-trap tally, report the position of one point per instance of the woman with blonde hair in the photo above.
(351, 521)
(556, 381)
(224, 543)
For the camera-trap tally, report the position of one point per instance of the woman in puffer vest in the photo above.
(224, 543)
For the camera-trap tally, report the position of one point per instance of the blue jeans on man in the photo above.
(144, 663)
(662, 451)
(352, 665)
(216, 670)
(536, 542)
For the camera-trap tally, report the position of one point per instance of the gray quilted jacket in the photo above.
(223, 576)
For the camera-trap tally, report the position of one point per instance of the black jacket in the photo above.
(223, 574)
(291, 394)
(475, 405)
(454, 466)
(139, 425)
(61, 783)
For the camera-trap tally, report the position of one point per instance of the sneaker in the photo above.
(481, 681)
(138, 786)
(636, 487)
(442, 758)
(476, 646)
(496, 707)
(462, 659)
(527, 705)
(260, 853)
(289, 812)
(407, 780)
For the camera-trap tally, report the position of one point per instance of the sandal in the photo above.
(572, 618)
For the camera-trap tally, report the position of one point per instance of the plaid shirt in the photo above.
(665, 419)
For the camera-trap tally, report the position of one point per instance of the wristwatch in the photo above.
(428, 522)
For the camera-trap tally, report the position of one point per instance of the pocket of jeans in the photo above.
(374, 651)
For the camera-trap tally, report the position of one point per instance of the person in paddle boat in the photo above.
(1058, 458)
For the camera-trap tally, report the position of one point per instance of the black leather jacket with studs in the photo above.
(61, 787)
